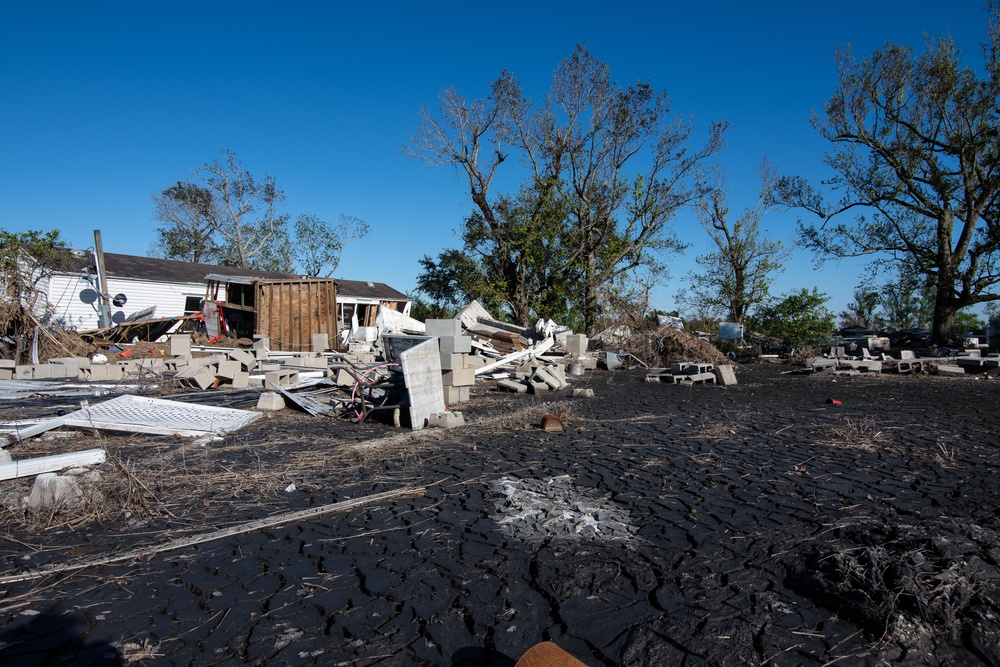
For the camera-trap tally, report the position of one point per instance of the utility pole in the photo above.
(103, 310)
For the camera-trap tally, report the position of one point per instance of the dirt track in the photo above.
(754, 524)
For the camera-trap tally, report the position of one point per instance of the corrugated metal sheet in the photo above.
(289, 312)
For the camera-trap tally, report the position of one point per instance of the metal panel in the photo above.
(139, 414)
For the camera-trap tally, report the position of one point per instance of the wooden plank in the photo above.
(41, 464)
(144, 553)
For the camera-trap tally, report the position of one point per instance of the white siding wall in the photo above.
(169, 298)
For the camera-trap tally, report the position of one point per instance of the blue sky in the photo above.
(106, 103)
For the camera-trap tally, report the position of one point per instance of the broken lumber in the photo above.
(42, 464)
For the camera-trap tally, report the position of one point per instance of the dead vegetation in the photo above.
(662, 346)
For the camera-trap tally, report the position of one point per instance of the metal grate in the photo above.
(152, 415)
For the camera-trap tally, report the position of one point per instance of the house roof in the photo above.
(155, 269)
(172, 270)
(368, 290)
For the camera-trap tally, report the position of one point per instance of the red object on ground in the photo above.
(833, 401)
(124, 353)
(214, 339)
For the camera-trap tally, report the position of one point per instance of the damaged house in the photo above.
(144, 288)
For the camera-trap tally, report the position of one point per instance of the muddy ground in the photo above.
(666, 525)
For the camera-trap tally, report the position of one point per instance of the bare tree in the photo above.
(253, 233)
(191, 215)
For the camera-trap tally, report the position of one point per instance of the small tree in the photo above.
(862, 311)
(800, 319)
(191, 215)
(26, 262)
(737, 274)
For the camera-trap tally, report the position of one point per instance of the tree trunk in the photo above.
(943, 329)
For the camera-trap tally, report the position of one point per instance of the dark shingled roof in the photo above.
(172, 270)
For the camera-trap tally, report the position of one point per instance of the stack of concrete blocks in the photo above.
(544, 379)
(685, 372)
(576, 349)
(457, 374)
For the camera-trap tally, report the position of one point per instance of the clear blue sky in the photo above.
(106, 103)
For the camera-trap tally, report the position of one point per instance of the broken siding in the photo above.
(68, 308)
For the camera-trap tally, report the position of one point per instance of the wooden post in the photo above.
(103, 311)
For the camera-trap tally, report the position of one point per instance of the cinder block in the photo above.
(261, 343)
(454, 395)
(179, 345)
(8, 364)
(590, 363)
(6, 373)
(583, 393)
(475, 361)
(513, 386)
(725, 375)
(320, 342)
(576, 345)
(535, 387)
(42, 372)
(459, 378)
(543, 375)
(228, 369)
(446, 419)
(452, 362)
(270, 400)
(246, 359)
(240, 380)
(443, 327)
(283, 378)
(455, 344)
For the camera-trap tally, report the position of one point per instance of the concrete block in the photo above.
(589, 363)
(269, 368)
(464, 377)
(282, 378)
(535, 387)
(452, 362)
(475, 361)
(907, 354)
(6, 373)
(51, 491)
(455, 344)
(8, 364)
(583, 393)
(179, 345)
(446, 419)
(949, 369)
(261, 343)
(576, 345)
(246, 359)
(725, 375)
(270, 400)
(345, 379)
(443, 327)
(320, 342)
(421, 366)
(453, 395)
(228, 369)
(199, 376)
(70, 361)
(240, 379)
(543, 375)
(512, 386)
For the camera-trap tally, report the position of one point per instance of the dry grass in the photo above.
(861, 434)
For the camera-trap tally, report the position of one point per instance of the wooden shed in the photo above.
(287, 311)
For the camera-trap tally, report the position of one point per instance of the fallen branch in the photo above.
(180, 543)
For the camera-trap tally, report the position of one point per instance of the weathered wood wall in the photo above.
(289, 312)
